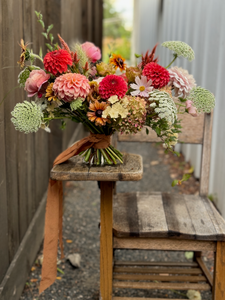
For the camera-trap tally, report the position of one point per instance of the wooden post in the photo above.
(219, 272)
(106, 240)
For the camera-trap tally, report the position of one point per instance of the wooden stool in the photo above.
(131, 170)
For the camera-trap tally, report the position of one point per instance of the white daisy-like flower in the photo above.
(142, 87)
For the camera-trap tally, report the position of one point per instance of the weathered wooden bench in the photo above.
(164, 221)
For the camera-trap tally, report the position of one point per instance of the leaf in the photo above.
(157, 130)
(37, 14)
(186, 177)
(69, 241)
(177, 153)
(49, 28)
(189, 255)
(76, 104)
(147, 131)
(137, 55)
(175, 182)
(60, 271)
(63, 125)
(51, 37)
(45, 35)
(49, 46)
(42, 23)
(40, 52)
(191, 170)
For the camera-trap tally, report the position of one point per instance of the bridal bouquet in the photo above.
(75, 84)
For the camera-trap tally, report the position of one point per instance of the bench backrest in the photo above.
(194, 131)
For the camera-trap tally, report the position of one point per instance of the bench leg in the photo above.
(106, 240)
(219, 272)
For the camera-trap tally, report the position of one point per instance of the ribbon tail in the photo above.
(49, 266)
(61, 220)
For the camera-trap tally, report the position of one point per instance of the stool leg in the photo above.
(106, 240)
(219, 272)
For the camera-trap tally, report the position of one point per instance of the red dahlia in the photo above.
(112, 85)
(56, 62)
(157, 74)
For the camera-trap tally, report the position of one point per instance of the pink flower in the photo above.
(92, 52)
(36, 83)
(142, 87)
(191, 109)
(70, 86)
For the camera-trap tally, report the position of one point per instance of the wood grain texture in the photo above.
(161, 285)
(106, 240)
(128, 298)
(168, 215)
(4, 254)
(163, 244)
(206, 155)
(155, 263)
(13, 283)
(219, 271)
(161, 278)
(75, 169)
(192, 132)
(151, 270)
(11, 145)
(205, 270)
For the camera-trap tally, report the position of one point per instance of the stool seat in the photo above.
(166, 215)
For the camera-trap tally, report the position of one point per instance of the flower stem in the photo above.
(175, 57)
(36, 56)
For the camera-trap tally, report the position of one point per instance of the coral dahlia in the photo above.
(159, 75)
(56, 62)
(112, 85)
(70, 86)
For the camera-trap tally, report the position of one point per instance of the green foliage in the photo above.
(76, 104)
(47, 34)
(63, 125)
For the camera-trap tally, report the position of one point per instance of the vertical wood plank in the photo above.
(30, 152)
(106, 240)
(206, 155)
(10, 132)
(219, 271)
(21, 137)
(4, 254)
(89, 20)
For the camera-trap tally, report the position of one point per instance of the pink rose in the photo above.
(191, 109)
(92, 52)
(36, 83)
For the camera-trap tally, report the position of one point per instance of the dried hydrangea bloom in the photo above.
(163, 105)
(116, 110)
(181, 49)
(136, 117)
(27, 116)
(181, 81)
(104, 69)
(202, 99)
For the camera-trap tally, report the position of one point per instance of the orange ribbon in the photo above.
(54, 209)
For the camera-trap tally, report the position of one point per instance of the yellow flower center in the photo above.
(142, 88)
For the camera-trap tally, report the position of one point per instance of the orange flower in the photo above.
(118, 61)
(97, 109)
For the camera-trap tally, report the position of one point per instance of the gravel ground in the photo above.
(81, 232)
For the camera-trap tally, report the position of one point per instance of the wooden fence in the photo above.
(25, 160)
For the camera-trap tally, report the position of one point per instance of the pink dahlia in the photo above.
(142, 87)
(36, 83)
(56, 62)
(112, 85)
(70, 86)
(159, 75)
(92, 52)
(181, 81)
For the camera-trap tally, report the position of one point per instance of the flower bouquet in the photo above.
(106, 97)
